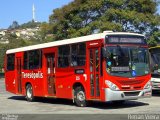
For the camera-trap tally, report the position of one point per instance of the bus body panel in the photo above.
(92, 76)
(129, 84)
(64, 80)
(126, 85)
(10, 82)
(28, 76)
(130, 89)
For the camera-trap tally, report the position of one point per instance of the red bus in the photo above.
(109, 66)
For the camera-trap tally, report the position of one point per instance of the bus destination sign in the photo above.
(121, 39)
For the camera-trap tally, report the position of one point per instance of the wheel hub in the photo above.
(81, 96)
(29, 92)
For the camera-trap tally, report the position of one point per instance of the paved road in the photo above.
(13, 104)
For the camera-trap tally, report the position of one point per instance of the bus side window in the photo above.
(78, 54)
(25, 61)
(33, 59)
(74, 55)
(10, 62)
(63, 56)
(81, 54)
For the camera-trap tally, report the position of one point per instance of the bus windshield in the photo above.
(127, 61)
(155, 61)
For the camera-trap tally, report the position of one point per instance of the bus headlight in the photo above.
(111, 85)
(148, 85)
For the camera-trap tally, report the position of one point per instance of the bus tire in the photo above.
(29, 93)
(79, 97)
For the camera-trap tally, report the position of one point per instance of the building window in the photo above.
(63, 56)
(10, 62)
(33, 59)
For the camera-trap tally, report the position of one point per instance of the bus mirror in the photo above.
(104, 53)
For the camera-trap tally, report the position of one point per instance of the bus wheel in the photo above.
(79, 97)
(29, 93)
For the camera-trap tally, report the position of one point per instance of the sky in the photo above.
(21, 10)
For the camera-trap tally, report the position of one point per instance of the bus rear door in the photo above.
(50, 83)
(50, 73)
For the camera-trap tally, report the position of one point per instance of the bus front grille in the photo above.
(131, 93)
(130, 82)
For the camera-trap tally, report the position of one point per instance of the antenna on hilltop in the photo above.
(33, 13)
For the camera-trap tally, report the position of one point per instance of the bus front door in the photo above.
(19, 76)
(51, 74)
(94, 72)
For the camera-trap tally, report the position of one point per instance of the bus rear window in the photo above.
(10, 62)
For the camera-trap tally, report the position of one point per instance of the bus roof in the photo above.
(155, 47)
(70, 41)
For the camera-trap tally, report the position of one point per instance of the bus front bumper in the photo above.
(155, 83)
(111, 95)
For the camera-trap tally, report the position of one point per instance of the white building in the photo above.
(2, 33)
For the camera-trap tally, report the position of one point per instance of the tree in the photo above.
(45, 29)
(14, 25)
(14, 42)
(154, 38)
(30, 24)
(83, 17)
(2, 51)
